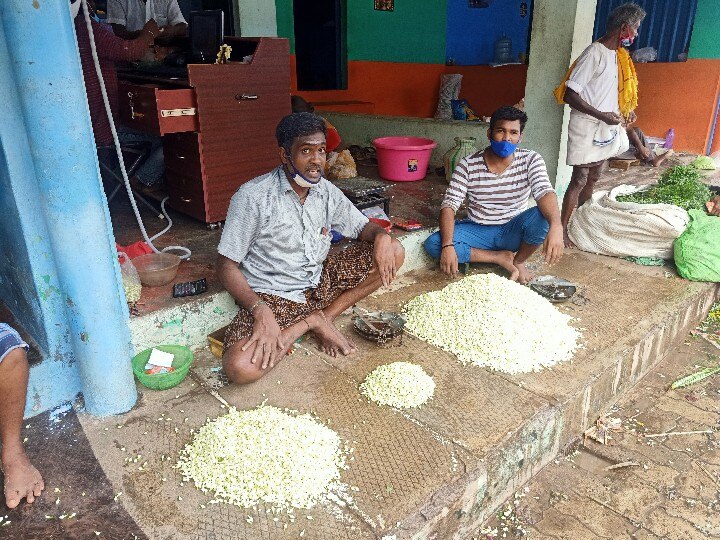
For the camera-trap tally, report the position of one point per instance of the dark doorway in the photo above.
(186, 6)
(320, 44)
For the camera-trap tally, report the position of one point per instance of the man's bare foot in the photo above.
(524, 274)
(22, 480)
(566, 240)
(505, 259)
(329, 339)
(662, 157)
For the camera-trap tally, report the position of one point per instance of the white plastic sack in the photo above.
(621, 229)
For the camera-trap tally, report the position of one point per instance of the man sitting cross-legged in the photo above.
(273, 256)
(498, 182)
(22, 480)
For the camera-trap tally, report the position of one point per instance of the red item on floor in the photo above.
(134, 250)
(332, 139)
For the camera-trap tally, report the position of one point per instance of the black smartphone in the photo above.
(189, 288)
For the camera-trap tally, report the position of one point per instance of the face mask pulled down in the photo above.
(300, 179)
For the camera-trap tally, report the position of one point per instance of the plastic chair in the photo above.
(134, 155)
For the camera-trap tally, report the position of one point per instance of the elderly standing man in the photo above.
(274, 256)
(601, 89)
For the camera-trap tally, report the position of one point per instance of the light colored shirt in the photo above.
(277, 241)
(133, 14)
(595, 77)
(494, 199)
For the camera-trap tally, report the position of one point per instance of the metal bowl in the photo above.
(385, 326)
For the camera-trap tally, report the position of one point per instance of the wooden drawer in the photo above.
(182, 154)
(159, 111)
(186, 198)
(188, 184)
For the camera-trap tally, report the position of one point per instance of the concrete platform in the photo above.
(436, 472)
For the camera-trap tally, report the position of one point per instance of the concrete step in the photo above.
(434, 472)
(189, 321)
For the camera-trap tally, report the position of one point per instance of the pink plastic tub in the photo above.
(403, 159)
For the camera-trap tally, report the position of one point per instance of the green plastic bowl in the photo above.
(162, 381)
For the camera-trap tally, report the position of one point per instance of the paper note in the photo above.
(161, 358)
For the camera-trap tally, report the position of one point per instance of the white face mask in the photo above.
(301, 180)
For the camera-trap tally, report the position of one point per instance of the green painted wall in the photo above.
(414, 32)
(704, 42)
(285, 21)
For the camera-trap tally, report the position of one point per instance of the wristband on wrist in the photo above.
(256, 304)
(447, 245)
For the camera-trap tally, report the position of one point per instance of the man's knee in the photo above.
(237, 366)
(432, 245)
(536, 227)
(594, 173)
(579, 177)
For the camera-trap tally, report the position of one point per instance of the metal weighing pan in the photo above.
(553, 288)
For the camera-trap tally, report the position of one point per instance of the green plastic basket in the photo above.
(162, 381)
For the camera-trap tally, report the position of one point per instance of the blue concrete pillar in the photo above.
(43, 56)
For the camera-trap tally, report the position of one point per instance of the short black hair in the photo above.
(508, 113)
(298, 125)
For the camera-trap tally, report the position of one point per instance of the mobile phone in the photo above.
(189, 288)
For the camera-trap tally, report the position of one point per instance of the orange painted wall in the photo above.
(411, 89)
(487, 88)
(398, 89)
(681, 95)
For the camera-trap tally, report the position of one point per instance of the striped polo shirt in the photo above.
(494, 199)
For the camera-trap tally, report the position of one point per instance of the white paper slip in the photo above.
(161, 358)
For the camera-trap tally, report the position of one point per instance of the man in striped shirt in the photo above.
(498, 182)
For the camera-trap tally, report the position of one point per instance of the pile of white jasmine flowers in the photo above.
(400, 384)
(487, 320)
(264, 455)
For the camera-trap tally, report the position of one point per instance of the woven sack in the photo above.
(621, 229)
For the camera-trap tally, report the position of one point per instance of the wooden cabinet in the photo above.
(219, 131)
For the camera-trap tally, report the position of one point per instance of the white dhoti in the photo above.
(590, 140)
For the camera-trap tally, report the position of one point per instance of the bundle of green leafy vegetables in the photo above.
(679, 185)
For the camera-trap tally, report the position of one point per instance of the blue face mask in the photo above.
(503, 148)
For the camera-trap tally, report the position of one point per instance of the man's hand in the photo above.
(449, 261)
(612, 119)
(553, 246)
(384, 258)
(632, 118)
(152, 28)
(266, 336)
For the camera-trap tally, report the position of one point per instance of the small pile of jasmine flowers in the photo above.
(487, 320)
(264, 455)
(400, 384)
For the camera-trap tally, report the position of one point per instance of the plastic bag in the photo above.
(130, 279)
(705, 163)
(449, 90)
(340, 165)
(696, 254)
(646, 54)
(461, 110)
